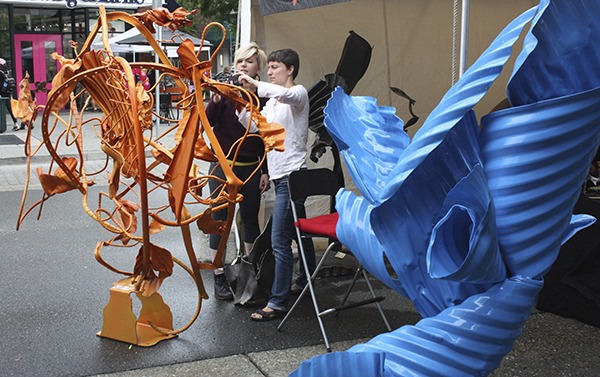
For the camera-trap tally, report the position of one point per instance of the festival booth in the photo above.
(415, 47)
(413, 44)
(118, 46)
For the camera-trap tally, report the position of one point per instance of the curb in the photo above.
(40, 160)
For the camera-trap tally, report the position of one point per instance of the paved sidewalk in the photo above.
(13, 177)
(12, 148)
(13, 172)
(276, 363)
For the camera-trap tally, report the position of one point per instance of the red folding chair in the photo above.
(323, 182)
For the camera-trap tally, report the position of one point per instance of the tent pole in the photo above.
(238, 26)
(464, 36)
(157, 4)
(245, 16)
(455, 19)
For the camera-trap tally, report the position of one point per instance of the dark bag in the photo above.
(251, 276)
(8, 86)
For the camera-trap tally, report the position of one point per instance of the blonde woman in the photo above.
(249, 60)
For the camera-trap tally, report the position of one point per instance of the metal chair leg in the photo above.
(352, 284)
(309, 285)
(366, 276)
(312, 278)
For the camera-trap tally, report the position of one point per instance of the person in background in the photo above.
(288, 106)
(7, 88)
(249, 60)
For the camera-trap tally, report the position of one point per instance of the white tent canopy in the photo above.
(133, 41)
(116, 47)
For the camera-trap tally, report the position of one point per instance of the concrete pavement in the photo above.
(223, 342)
(271, 362)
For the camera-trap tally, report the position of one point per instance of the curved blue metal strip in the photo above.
(578, 222)
(364, 245)
(465, 340)
(368, 363)
(464, 244)
(560, 55)
(369, 137)
(405, 221)
(460, 99)
(472, 326)
(533, 155)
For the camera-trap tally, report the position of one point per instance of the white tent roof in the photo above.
(120, 47)
(130, 34)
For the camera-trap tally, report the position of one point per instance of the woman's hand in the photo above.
(248, 82)
(264, 184)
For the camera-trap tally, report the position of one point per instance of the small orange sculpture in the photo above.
(24, 107)
(140, 167)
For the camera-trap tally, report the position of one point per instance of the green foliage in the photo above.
(4, 34)
(222, 11)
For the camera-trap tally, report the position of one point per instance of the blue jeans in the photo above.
(282, 234)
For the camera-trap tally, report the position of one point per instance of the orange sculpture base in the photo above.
(120, 322)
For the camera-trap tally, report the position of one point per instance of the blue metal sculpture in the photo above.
(471, 218)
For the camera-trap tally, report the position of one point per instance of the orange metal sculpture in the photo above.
(143, 168)
(24, 107)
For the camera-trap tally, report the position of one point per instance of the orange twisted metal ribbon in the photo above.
(126, 137)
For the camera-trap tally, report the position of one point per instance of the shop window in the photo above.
(65, 18)
(4, 25)
(79, 19)
(51, 70)
(67, 49)
(36, 20)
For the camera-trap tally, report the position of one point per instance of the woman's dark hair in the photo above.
(288, 57)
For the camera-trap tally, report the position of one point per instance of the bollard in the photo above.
(3, 114)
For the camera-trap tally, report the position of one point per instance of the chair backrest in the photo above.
(309, 182)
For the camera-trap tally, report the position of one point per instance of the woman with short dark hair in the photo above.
(288, 106)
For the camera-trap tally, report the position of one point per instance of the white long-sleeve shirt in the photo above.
(289, 108)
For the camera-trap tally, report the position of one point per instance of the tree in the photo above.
(222, 11)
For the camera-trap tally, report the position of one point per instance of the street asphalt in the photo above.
(54, 293)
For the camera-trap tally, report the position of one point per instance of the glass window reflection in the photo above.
(27, 59)
(51, 70)
(36, 20)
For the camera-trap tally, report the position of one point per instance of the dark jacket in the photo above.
(228, 130)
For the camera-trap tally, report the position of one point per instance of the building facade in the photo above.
(31, 30)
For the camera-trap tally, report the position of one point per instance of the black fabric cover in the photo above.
(572, 286)
(355, 59)
(310, 182)
(318, 96)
